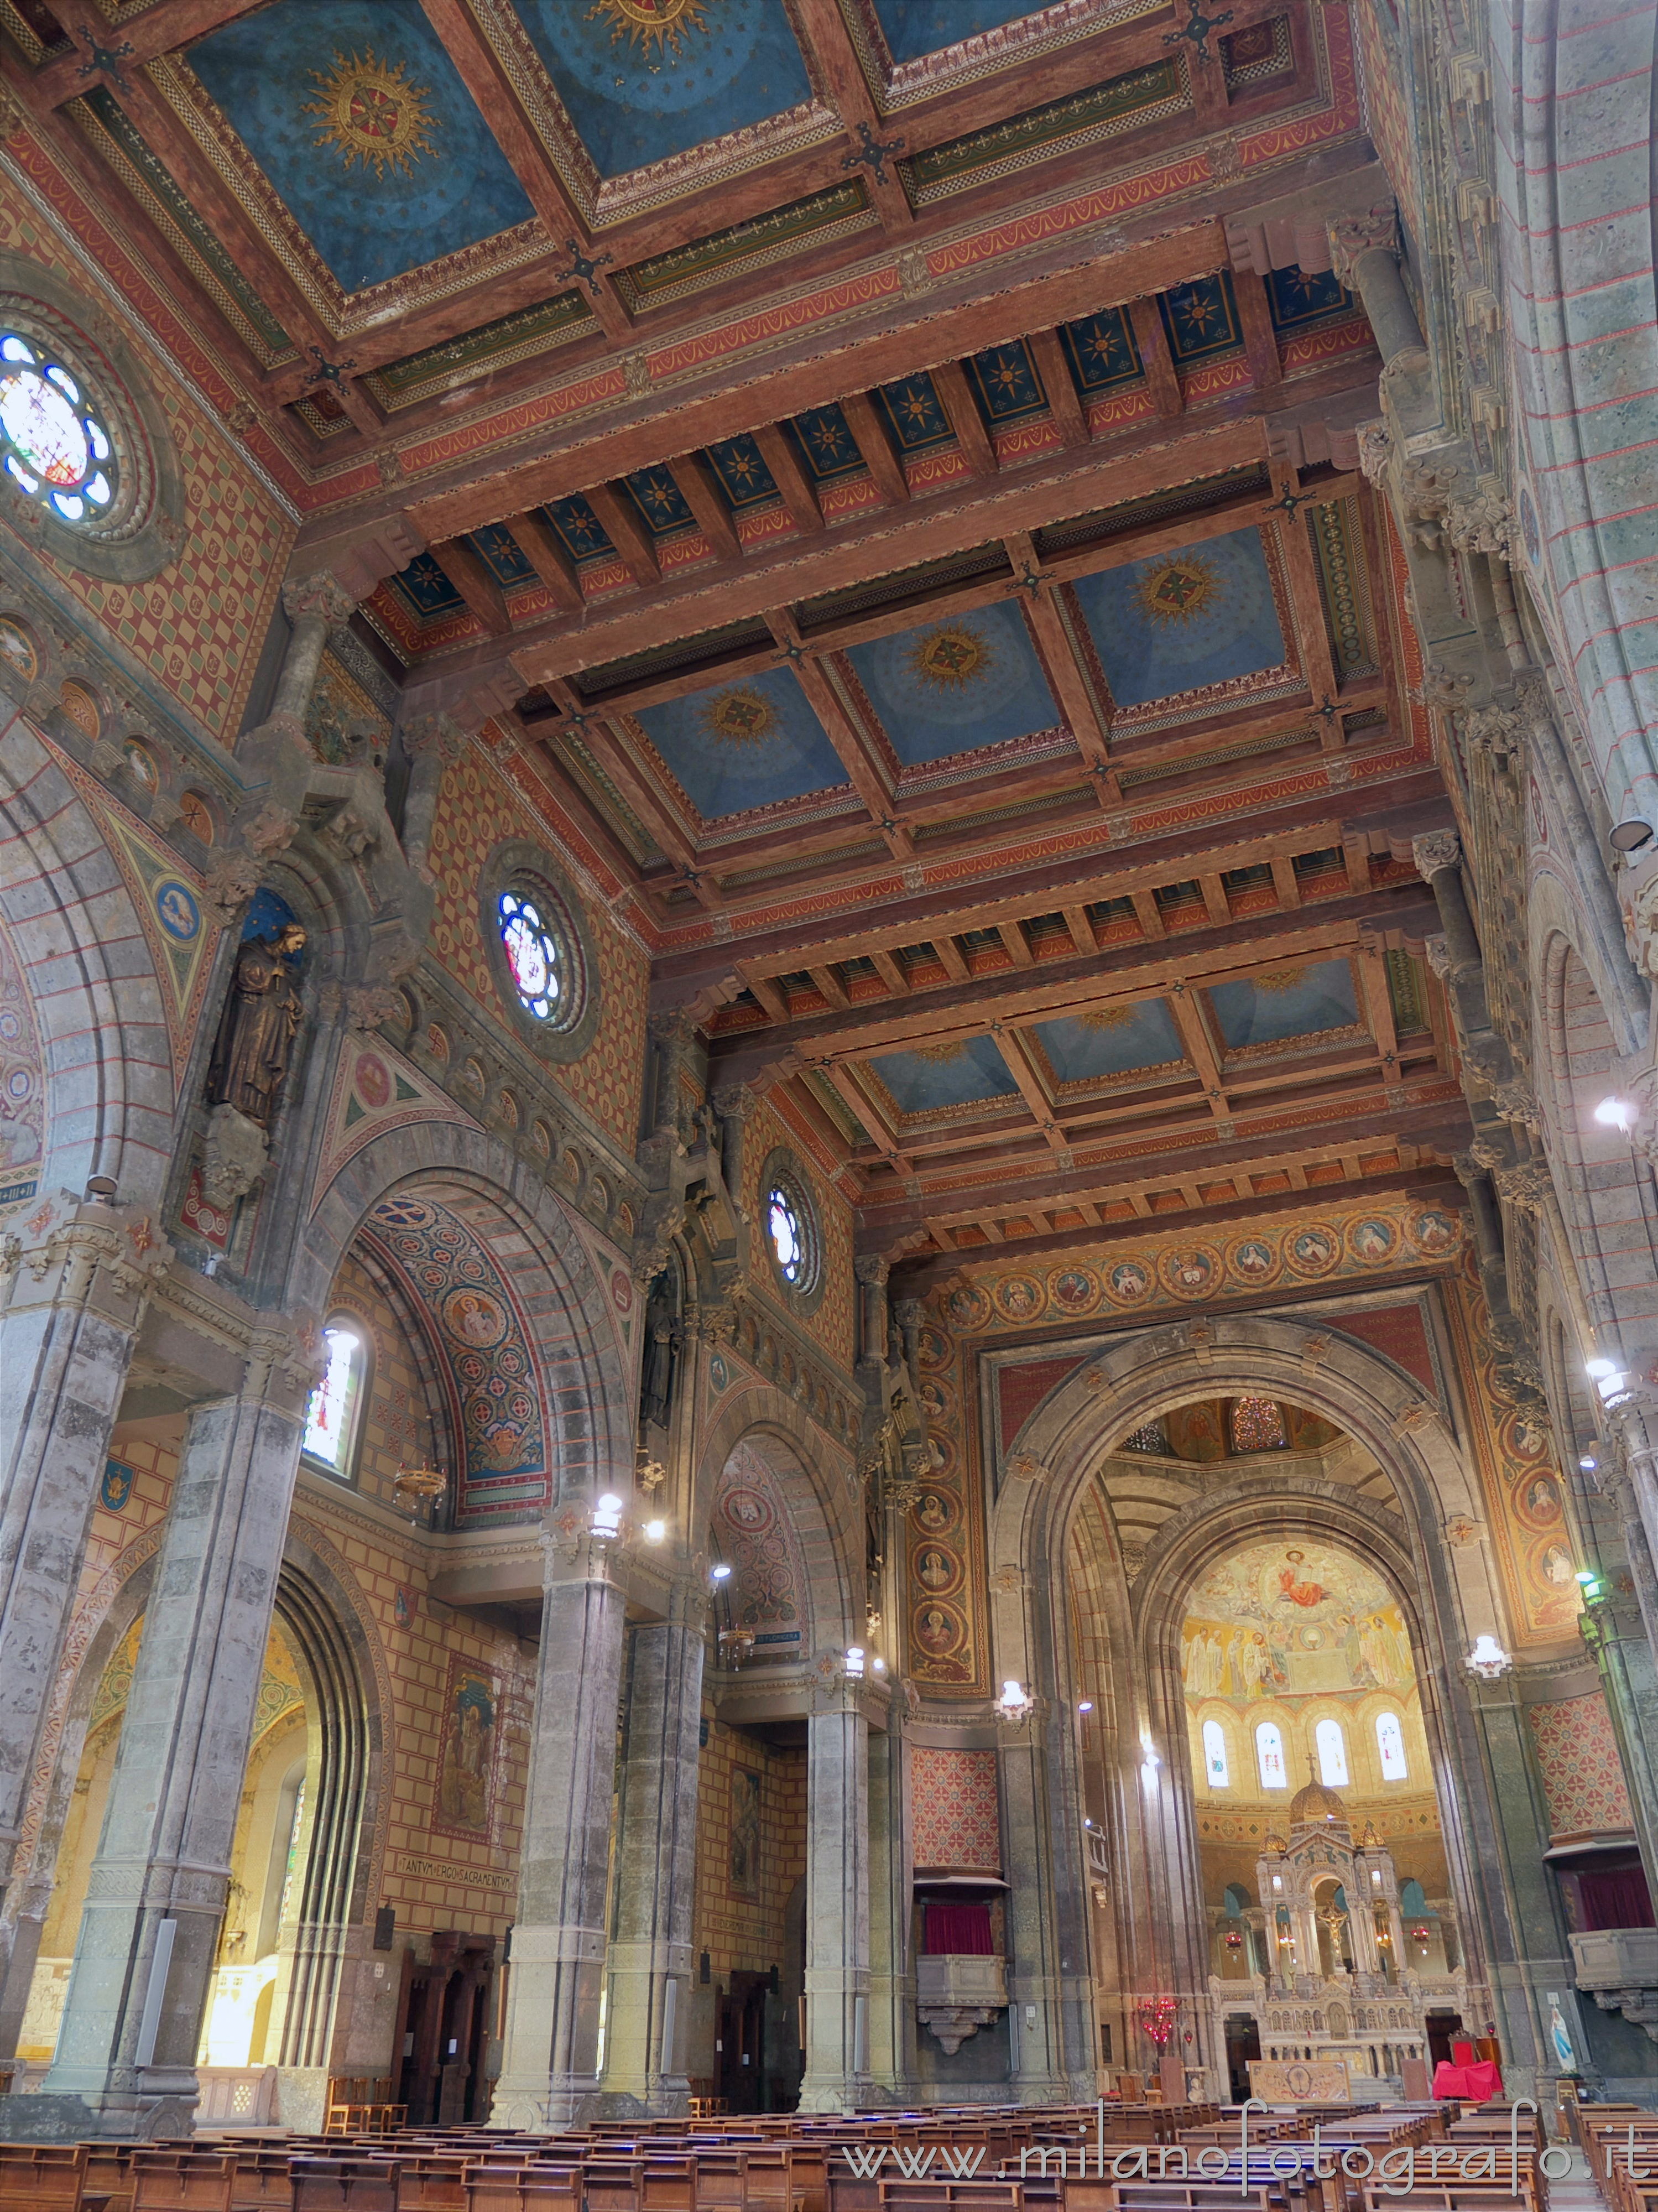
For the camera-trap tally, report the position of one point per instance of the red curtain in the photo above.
(1615, 1897)
(958, 1928)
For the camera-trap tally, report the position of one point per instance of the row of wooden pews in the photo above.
(1132, 2158)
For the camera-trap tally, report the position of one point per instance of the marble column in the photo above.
(550, 2067)
(650, 1950)
(872, 1272)
(836, 2077)
(892, 2029)
(1438, 857)
(73, 1305)
(149, 1932)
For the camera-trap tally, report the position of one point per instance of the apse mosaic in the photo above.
(1292, 1619)
(969, 681)
(642, 80)
(753, 743)
(364, 130)
(1184, 621)
(475, 1319)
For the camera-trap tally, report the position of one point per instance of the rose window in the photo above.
(53, 440)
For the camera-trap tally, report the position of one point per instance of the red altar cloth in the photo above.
(1479, 2081)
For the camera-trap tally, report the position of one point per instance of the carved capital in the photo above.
(1375, 445)
(1527, 1186)
(1499, 732)
(231, 880)
(734, 1101)
(1482, 523)
(439, 734)
(1353, 236)
(872, 1269)
(370, 1007)
(1439, 848)
(910, 1313)
(318, 598)
(233, 1159)
(272, 829)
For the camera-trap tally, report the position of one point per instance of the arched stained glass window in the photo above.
(1257, 1424)
(334, 1412)
(1332, 1746)
(1390, 1742)
(1269, 1756)
(1214, 1756)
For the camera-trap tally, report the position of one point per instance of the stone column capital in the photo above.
(871, 1270)
(734, 1101)
(320, 598)
(1374, 231)
(1436, 849)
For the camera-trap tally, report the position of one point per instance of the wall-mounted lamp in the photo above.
(1086, 1706)
(1619, 1113)
(720, 1574)
(606, 1522)
(854, 1663)
(655, 1531)
(101, 1190)
(1016, 1703)
(1488, 1659)
(1631, 835)
(1612, 1381)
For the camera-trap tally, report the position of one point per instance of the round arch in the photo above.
(586, 1389)
(108, 1068)
(1041, 1523)
(826, 1517)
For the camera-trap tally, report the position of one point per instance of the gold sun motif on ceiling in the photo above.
(738, 716)
(1178, 589)
(1275, 980)
(1108, 1018)
(952, 656)
(941, 1055)
(655, 26)
(370, 115)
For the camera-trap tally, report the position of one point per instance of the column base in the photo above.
(572, 2102)
(842, 2092)
(120, 2117)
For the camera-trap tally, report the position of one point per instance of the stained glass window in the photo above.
(1331, 1755)
(1269, 1756)
(1390, 1742)
(330, 1417)
(54, 442)
(1257, 1424)
(1214, 1755)
(537, 953)
(1150, 1438)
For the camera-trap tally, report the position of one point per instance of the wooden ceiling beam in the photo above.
(1162, 378)
(156, 30)
(1047, 351)
(1148, 913)
(891, 974)
(1312, 632)
(1119, 975)
(956, 519)
(546, 553)
(702, 496)
(789, 474)
(640, 793)
(620, 521)
(830, 43)
(949, 954)
(863, 420)
(492, 87)
(977, 448)
(470, 575)
(1023, 1070)
(1018, 948)
(769, 994)
(1084, 719)
(1082, 929)
(862, 764)
(965, 319)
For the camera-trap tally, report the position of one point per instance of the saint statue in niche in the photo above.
(256, 1030)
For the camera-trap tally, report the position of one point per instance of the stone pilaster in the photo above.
(549, 2067)
(892, 2026)
(73, 1304)
(650, 1951)
(155, 1898)
(836, 2078)
(314, 606)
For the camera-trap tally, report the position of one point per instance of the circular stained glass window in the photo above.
(540, 956)
(54, 442)
(792, 1232)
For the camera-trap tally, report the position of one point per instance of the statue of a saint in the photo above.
(256, 1030)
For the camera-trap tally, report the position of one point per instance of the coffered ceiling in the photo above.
(889, 481)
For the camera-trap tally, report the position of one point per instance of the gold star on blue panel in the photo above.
(504, 557)
(1102, 351)
(830, 446)
(427, 589)
(1299, 300)
(660, 500)
(1006, 377)
(742, 470)
(579, 527)
(1201, 319)
(914, 411)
